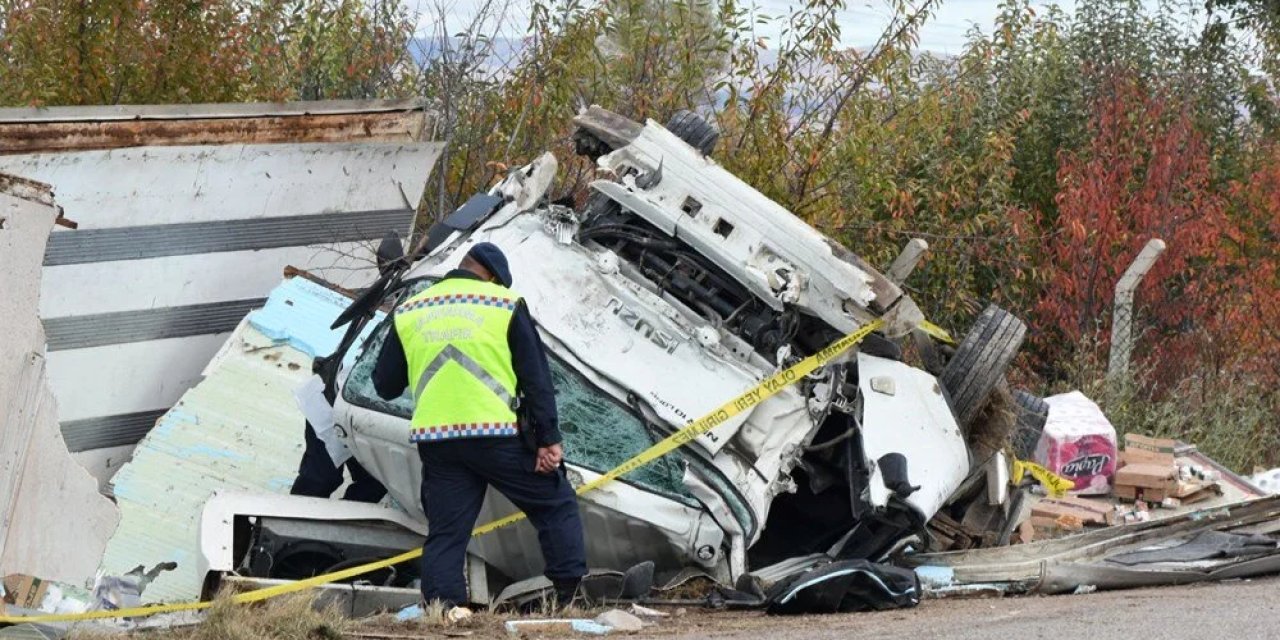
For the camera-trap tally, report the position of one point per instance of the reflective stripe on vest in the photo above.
(455, 341)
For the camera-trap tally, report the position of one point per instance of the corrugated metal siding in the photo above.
(94, 330)
(108, 431)
(239, 429)
(137, 243)
(209, 181)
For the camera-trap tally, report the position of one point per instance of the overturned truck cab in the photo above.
(673, 289)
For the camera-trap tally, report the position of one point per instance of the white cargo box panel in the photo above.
(187, 217)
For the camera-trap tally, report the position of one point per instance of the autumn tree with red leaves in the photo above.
(1246, 315)
(1144, 173)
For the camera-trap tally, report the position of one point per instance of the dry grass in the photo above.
(293, 617)
(482, 623)
(290, 617)
(994, 424)
(299, 617)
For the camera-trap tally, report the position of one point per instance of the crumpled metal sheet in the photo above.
(1062, 565)
(53, 522)
(239, 429)
(1206, 545)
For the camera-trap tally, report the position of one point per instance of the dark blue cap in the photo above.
(492, 258)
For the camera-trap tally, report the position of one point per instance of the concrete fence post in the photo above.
(1122, 313)
(906, 261)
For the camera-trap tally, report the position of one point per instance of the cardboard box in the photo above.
(1142, 456)
(24, 591)
(1025, 534)
(1096, 511)
(1087, 515)
(1140, 448)
(1050, 525)
(1148, 494)
(1193, 492)
(1147, 475)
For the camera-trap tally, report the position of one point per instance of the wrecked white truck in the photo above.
(673, 289)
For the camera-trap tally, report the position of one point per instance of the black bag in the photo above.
(845, 587)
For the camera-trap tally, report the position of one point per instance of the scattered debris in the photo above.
(621, 621)
(1268, 481)
(411, 612)
(125, 592)
(1088, 511)
(556, 627)
(24, 591)
(845, 586)
(1154, 473)
(646, 612)
(1102, 556)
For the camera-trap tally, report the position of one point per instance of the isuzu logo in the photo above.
(633, 319)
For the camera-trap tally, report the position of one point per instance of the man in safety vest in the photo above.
(467, 349)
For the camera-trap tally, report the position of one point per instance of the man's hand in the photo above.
(549, 458)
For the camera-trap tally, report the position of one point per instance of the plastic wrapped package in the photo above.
(1079, 443)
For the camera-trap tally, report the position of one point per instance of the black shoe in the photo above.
(565, 592)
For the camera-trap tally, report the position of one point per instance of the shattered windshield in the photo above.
(599, 432)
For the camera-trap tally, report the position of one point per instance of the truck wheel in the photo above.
(980, 362)
(1032, 412)
(695, 130)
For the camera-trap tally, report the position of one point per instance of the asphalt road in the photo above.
(1239, 610)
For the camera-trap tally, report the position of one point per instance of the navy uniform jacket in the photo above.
(528, 358)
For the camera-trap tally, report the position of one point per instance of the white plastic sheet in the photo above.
(318, 411)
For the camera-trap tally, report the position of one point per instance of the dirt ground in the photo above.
(1239, 610)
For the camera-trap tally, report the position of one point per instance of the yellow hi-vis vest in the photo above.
(455, 341)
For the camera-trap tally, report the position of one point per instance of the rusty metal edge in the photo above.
(205, 111)
(26, 189)
(67, 129)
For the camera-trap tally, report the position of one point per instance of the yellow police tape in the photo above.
(937, 332)
(1055, 485)
(752, 397)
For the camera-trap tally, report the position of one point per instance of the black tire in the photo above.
(880, 347)
(695, 130)
(1032, 412)
(980, 362)
(931, 357)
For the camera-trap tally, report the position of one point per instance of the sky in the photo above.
(860, 24)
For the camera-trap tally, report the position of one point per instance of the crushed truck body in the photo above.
(674, 289)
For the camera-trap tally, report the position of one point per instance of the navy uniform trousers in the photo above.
(455, 474)
(319, 478)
